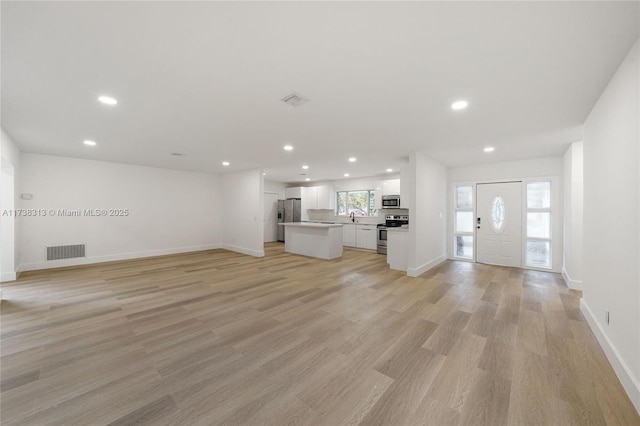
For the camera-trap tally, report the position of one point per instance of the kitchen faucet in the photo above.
(352, 215)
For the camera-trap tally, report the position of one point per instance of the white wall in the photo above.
(169, 211)
(275, 187)
(355, 184)
(573, 215)
(9, 178)
(539, 167)
(611, 214)
(427, 183)
(243, 212)
(551, 168)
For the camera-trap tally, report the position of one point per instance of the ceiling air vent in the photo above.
(295, 99)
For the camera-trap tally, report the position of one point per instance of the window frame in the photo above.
(457, 233)
(370, 195)
(528, 210)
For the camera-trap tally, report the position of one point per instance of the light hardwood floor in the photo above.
(217, 337)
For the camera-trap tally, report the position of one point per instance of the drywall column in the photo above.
(9, 254)
(243, 212)
(611, 278)
(7, 223)
(427, 180)
(573, 216)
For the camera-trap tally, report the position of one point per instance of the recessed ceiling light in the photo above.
(458, 105)
(352, 159)
(346, 175)
(90, 143)
(307, 179)
(489, 149)
(225, 163)
(288, 148)
(264, 173)
(305, 167)
(107, 100)
(389, 170)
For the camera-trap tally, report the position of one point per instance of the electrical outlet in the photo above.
(606, 316)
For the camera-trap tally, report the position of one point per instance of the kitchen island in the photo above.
(322, 240)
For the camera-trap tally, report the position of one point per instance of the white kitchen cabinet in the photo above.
(397, 248)
(366, 237)
(311, 194)
(391, 187)
(295, 192)
(360, 236)
(316, 198)
(349, 235)
(309, 201)
(378, 196)
(325, 197)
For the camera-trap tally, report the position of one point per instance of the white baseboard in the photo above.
(250, 252)
(8, 276)
(113, 257)
(629, 382)
(414, 272)
(572, 284)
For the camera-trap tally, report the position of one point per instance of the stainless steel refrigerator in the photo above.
(288, 211)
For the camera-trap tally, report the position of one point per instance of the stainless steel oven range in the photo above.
(392, 221)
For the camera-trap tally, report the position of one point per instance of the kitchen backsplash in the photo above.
(330, 216)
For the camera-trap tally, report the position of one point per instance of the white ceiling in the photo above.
(206, 79)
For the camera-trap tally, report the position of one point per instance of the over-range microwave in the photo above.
(390, 201)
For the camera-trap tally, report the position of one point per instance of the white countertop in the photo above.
(311, 224)
(343, 223)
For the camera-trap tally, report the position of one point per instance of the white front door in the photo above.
(270, 217)
(499, 223)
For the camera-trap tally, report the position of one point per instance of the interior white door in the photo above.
(499, 223)
(270, 217)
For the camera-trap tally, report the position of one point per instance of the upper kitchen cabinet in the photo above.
(325, 197)
(310, 196)
(378, 196)
(295, 192)
(391, 187)
(386, 187)
(309, 201)
(394, 187)
(316, 198)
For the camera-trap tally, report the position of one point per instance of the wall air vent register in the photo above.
(65, 252)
